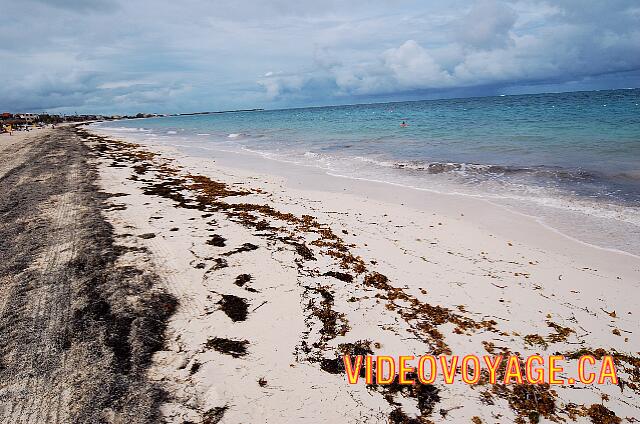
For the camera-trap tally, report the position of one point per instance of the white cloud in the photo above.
(413, 66)
(276, 85)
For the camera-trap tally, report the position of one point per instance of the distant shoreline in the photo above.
(212, 113)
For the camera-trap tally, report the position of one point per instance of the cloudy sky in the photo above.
(125, 56)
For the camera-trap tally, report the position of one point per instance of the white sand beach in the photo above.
(279, 269)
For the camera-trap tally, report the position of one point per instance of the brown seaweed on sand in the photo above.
(235, 348)
(425, 395)
(600, 414)
(217, 241)
(336, 365)
(214, 415)
(342, 276)
(242, 279)
(246, 247)
(235, 307)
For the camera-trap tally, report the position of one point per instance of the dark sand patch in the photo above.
(78, 338)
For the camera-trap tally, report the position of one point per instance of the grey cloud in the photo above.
(80, 5)
(491, 46)
(487, 25)
(203, 55)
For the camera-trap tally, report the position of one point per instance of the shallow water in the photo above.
(570, 159)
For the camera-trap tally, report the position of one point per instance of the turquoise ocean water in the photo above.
(570, 159)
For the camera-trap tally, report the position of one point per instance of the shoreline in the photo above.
(554, 218)
(378, 189)
(537, 219)
(438, 273)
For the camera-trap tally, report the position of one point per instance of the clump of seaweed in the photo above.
(333, 323)
(398, 416)
(600, 414)
(235, 348)
(214, 415)
(246, 247)
(425, 395)
(140, 168)
(217, 241)
(596, 353)
(218, 263)
(531, 401)
(342, 276)
(332, 366)
(597, 413)
(561, 333)
(536, 340)
(304, 252)
(195, 367)
(235, 307)
(170, 189)
(242, 279)
(213, 189)
(336, 365)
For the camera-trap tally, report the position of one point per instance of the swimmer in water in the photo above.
(404, 124)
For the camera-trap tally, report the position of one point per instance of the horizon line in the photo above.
(266, 109)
